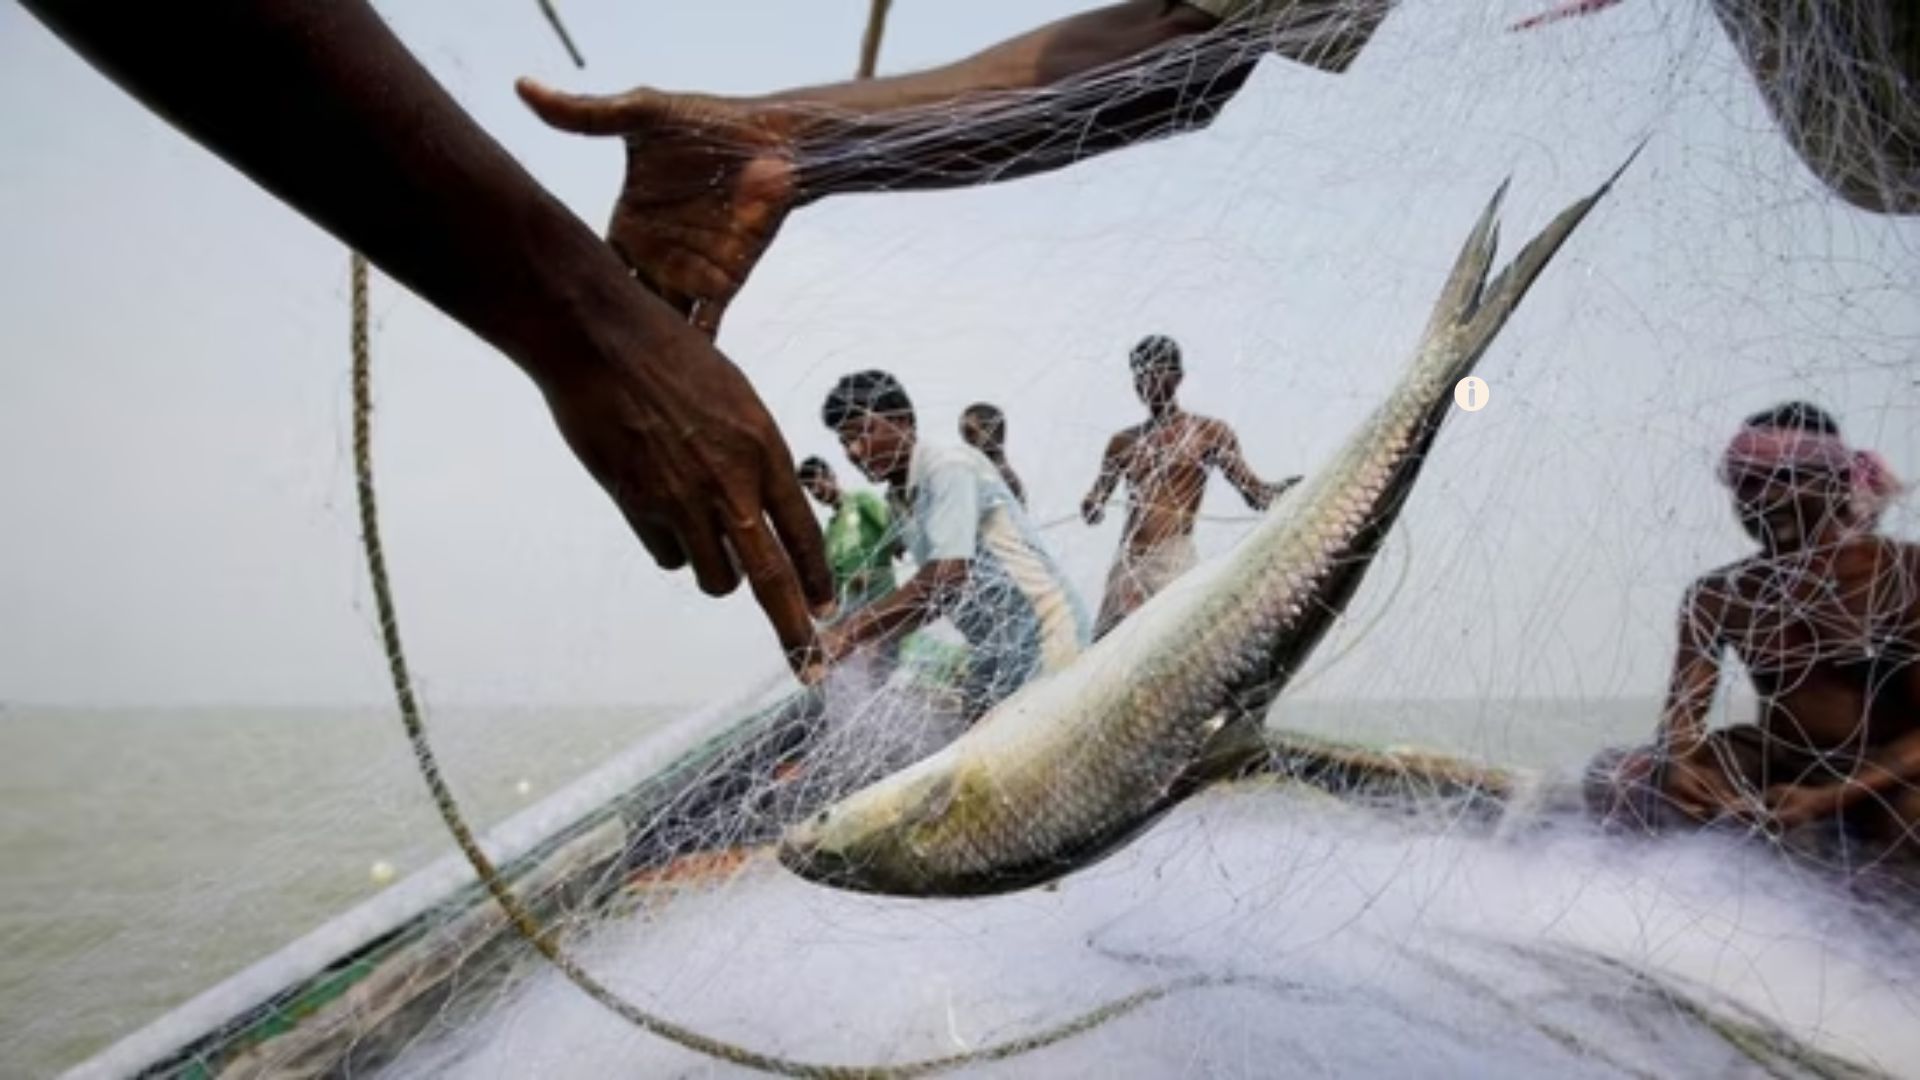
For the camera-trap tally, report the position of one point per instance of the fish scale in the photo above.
(1076, 763)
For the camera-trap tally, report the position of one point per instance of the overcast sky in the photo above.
(179, 524)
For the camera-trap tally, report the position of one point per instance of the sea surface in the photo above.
(145, 855)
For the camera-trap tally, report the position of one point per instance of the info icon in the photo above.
(1471, 393)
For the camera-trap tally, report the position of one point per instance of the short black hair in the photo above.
(866, 393)
(1156, 352)
(814, 468)
(1795, 416)
(987, 415)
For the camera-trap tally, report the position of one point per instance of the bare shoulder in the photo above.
(1883, 559)
(1906, 554)
(1905, 558)
(1210, 432)
(1715, 594)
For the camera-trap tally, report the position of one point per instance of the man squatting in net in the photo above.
(320, 104)
(1826, 619)
(1164, 461)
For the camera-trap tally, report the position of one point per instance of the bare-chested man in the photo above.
(1165, 462)
(1826, 619)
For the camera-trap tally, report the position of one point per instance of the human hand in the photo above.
(1700, 788)
(708, 184)
(1263, 496)
(834, 646)
(1791, 805)
(1092, 512)
(676, 435)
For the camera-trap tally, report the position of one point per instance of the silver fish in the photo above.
(1075, 764)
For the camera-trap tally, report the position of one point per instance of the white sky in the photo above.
(179, 523)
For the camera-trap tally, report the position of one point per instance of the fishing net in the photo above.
(1416, 887)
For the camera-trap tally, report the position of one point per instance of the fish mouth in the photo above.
(858, 870)
(807, 858)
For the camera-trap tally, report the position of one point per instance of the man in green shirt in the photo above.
(860, 539)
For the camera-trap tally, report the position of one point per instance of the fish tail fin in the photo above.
(1502, 295)
(1460, 297)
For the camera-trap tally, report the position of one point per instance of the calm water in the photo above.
(149, 854)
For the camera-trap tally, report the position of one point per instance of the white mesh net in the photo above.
(1356, 909)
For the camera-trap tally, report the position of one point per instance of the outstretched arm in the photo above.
(1223, 452)
(1112, 464)
(710, 179)
(320, 104)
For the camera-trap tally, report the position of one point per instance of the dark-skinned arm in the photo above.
(320, 104)
(1223, 452)
(710, 182)
(1891, 769)
(1694, 778)
(1112, 463)
(904, 610)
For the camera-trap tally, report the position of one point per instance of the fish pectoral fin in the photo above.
(1236, 742)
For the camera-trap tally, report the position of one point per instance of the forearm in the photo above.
(1059, 50)
(1695, 680)
(320, 104)
(1257, 492)
(1893, 767)
(904, 610)
(1681, 732)
(1024, 108)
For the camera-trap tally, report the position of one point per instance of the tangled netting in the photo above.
(1354, 907)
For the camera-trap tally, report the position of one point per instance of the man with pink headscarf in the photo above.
(1826, 619)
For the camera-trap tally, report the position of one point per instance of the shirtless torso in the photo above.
(1164, 462)
(1831, 640)
(1831, 644)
